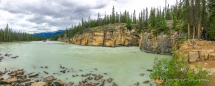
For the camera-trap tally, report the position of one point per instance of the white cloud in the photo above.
(50, 15)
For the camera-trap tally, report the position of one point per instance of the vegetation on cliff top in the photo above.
(184, 14)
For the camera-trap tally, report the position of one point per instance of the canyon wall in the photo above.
(160, 44)
(109, 35)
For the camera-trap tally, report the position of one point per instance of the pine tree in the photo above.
(113, 15)
(134, 17)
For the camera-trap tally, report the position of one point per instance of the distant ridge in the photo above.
(49, 34)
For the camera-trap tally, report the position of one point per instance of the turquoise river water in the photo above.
(123, 64)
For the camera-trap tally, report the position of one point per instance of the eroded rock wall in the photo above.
(109, 36)
(160, 44)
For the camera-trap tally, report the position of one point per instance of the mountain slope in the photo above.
(49, 34)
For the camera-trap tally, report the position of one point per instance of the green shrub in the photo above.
(175, 72)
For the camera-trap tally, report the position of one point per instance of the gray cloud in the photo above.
(62, 13)
(49, 15)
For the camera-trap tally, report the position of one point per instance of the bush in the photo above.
(175, 72)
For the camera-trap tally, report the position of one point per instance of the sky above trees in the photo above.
(34, 16)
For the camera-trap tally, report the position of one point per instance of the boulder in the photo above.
(59, 83)
(71, 83)
(38, 84)
(84, 80)
(212, 56)
(150, 70)
(48, 79)
(23, 80)
(45, 72)
(103, 82)
(141, 74)
(114, 84)
(1, 78)
(97, 77)
(28, 83)
(193, 56)
(12, 73)
(202, 55)
(93, 84)
(19, 72)
(8, 81)
(185, 57)
(136, 84)
(147, 81)
(1, 73)
(32, 75)
(109, 80)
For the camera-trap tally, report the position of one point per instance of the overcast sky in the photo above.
(34, 16)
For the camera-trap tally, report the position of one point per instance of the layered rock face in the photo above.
(110, 36)
(160, 44)
(202, 50)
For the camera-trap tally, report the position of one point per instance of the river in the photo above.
(123, 64)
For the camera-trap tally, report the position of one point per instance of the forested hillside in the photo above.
(8, 35)
(190, 16)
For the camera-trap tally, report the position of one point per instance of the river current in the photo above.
(123, 64)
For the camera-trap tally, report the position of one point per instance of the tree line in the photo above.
(190, 16)
(8, 35)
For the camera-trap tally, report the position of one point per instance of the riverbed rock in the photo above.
(45, 72)
(109, 80)
(71, 83)
(1, 78)
(136, 84)
(93, 84)
(1, 73)
(38, 84)
(59, 83)
(97, 77)
(19, 72)
(23, 80)
(8, 80)
(146, 82)
(48, 80)
(30, 75)
(114, 84)
(28, 83)
(150, 70)
(84, 79)
(141, 74)
(103, 82)
(89, 78)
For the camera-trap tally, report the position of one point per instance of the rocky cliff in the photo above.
(108, 35)
(159, 44)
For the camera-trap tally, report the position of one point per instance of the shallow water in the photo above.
(123, 64)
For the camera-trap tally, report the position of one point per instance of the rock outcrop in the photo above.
(202, 50)
(108, 35)
(160, 44)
